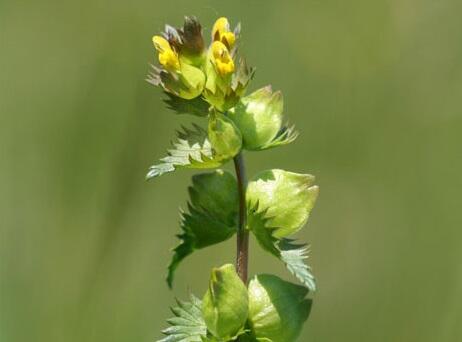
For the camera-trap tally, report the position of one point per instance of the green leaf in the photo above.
(225, 306)
(259, 117)
(197, 106)
(212, 217)
(293, 255)
(188, 324)
(191, 150)
(286, 198)
(277, 308)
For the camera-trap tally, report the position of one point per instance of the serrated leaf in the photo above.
(188, 324)
(293, 255)
(197, 106)
(211, 217)
(191, 150)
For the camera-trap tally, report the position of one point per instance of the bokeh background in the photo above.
(375, 87)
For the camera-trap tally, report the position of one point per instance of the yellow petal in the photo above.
(222, 59)
(228, 38)
(220, 26)
(167, 57)
(169, 60)
(161, 44)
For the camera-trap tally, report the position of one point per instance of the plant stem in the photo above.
(242, 256)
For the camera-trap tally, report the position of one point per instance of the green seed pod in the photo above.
(259, 117)
(225, 138)
(287, 198)
(277, 308)
(225, 306)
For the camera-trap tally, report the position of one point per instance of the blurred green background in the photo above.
(375, 87)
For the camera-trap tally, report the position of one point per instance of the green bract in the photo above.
(210, 83)
(277, 309)
(225, 306)
(286, 197)
(259, 118)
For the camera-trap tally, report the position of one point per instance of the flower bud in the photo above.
(277, 308)
(221, 32)
(225, 305)
(192, 42)
(286, 197)
(259, 117)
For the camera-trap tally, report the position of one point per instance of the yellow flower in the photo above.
(167, 57)
(222, 59)
(222, 33)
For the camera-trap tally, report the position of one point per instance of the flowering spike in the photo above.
(210, 82)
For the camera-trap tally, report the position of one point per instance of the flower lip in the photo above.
(222, 58)
(167, 56)
(221, 32)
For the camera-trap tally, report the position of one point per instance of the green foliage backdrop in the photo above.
(375, 88)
